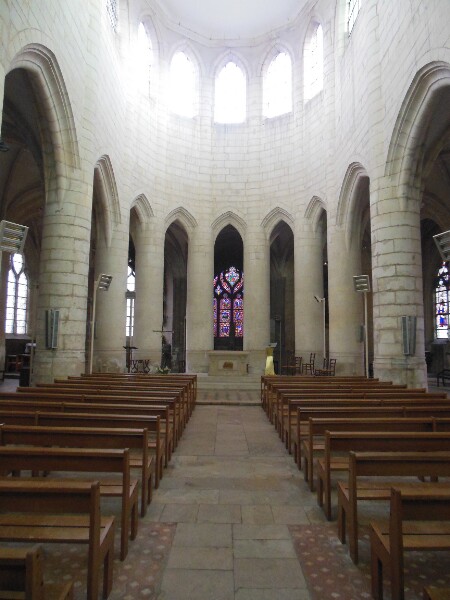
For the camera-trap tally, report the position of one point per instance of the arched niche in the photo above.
(228, 292)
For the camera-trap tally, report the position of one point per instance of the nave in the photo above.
(234, 520)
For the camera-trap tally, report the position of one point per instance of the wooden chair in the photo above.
(329, 368)
(308, 368)
(296, 366)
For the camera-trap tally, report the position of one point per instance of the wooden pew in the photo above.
(290, 404)
(438, 411)
(90, 460)
(90, 437)
(378, 466)
(55, 402)
(339, 443)
(54, 511)
(21, 576)
(314, 441)
(419, 520)
(95, 419)
(436, 593)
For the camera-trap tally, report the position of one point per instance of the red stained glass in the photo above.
(229, 305)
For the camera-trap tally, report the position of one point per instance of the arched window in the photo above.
(17, 296)
(112, 9)
(144, 58)
(441, 302)
(131, 297)
(230, 95)
(277, 87)
(229, 304)
(182, 85)
(313, 63)
(353, 8)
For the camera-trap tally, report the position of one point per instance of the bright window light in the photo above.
(182, 85)
(313, 63)
(277, 87)
(144, 57)
(230, 95)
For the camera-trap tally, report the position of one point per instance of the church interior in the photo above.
(221, 193)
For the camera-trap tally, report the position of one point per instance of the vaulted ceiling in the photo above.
(233, 19)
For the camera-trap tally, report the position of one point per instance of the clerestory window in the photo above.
(277, 86)
(313, 63)
(182, 85)
(230, 95)
(441, 298)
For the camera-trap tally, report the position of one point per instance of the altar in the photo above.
(227, 362)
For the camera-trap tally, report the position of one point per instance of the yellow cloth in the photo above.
(269, 370)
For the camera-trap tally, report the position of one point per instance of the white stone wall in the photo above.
(249, 169)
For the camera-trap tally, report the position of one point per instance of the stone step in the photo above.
(220, 382)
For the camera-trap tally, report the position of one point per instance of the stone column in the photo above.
(63, 280)
(308, 269)
(256, 297)
(149, 246)
(346, 309)
(110, 314)
(3, 297)
(199, 310)
(398, 286)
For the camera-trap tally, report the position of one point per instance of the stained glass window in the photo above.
(228, 305)
(441, 302)
(130, 297)
(17, 296)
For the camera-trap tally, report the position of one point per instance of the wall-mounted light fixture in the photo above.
(442, 241)
(12, 237)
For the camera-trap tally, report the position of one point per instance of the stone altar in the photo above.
(227, 362)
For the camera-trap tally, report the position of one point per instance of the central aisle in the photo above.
(232, 490)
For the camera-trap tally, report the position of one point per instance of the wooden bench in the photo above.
(60, 403)
(57, 512)
(436, 593)
(378, 466)
(90, 437)
(84, 460)
(419, 520)
(314, 441)
(339, 443)
(21, 576)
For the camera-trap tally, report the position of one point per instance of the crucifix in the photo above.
(166, 348)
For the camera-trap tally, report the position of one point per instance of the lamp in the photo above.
(323, 301)
(12, 237)
(361, 284)
(101, 283)
(442, 241)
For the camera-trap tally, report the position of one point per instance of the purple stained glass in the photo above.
(218, 290)
(225, 316)
(224, 283)
(225, 303)
(224, 330)
(238, 329)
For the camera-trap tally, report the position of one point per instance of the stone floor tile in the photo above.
(201, 558)
(290, 515)
(268, 573)
(179, 513)
(211, 535)
(257, 515)
(260, 594)
(219, 513)
(192, 584)
(264, 549)
(261, 532)
(183, 496)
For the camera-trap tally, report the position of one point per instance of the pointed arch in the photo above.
(179, 97)
(182, 215)
(48, 83)
(108, 196)
(230, 108)
(143, 210)
(275, 216)
(411, 127)
(314, 211)
(356, 182)
(229, 218)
